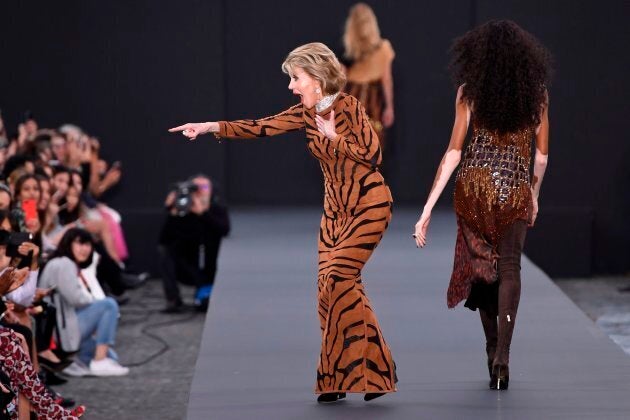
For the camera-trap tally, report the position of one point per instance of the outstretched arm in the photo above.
(289, 120)
(540, 159)
(449, 162)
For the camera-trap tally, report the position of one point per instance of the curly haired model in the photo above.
(502, 72)
(484, 59)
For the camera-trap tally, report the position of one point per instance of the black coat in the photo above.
(184, 235)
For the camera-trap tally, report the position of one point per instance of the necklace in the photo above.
(325, 102)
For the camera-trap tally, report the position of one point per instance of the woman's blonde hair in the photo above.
(319, 62)
(362, 34)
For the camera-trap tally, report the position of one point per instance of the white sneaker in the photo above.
(76, 369)
(107, 367)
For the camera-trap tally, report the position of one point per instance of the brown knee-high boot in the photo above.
(509, 268)
(490, 329)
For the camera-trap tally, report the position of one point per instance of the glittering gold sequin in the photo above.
(494, 169)
(492, 191)
(492, 187)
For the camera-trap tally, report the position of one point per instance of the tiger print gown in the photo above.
(354, 356)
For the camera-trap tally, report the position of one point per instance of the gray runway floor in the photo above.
(261, 339)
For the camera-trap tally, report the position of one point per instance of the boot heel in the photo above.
(500, 377)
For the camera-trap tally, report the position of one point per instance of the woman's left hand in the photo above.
(421, 228)
(326, 126)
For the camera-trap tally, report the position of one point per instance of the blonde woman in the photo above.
(370, 72)
(357, 208)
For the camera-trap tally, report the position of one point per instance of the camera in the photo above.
(183, 197)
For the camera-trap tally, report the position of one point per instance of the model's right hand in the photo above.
(192, 130)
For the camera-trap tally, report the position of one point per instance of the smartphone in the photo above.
(30, 209)
(4, 237)
(15, 240)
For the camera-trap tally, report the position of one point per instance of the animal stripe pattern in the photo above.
(371, 96)
(354, 355)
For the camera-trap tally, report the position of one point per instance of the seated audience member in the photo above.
(86, 319)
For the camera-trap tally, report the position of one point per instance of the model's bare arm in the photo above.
(449, 162)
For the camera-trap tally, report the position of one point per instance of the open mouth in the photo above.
(296, 93)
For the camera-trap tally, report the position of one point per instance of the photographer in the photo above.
(190, 241)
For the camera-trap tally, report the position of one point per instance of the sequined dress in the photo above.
(492, 191)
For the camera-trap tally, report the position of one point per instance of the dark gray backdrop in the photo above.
(126, 71)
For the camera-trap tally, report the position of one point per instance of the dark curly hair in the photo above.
(505, 71)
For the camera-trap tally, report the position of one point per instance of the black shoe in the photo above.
(60, 399)
(51, 366)
(372, 395)
(49, 378)
(330, 397)
(133, 281)
(341, 396)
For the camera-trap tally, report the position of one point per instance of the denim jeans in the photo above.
(98, 322)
